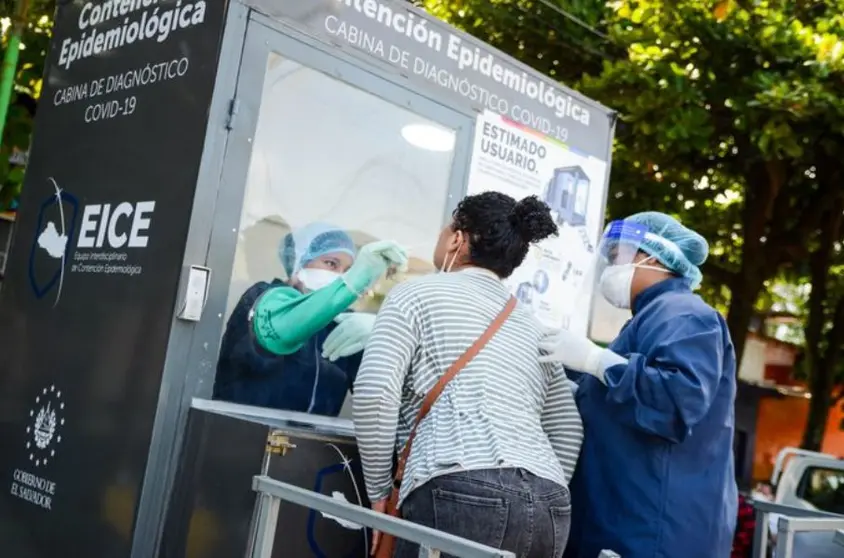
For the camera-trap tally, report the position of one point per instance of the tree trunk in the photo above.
(766, 179)
(820, 385)
(822, 381)
(822, 350)
(744, 291)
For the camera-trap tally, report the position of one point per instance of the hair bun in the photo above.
(531, 218)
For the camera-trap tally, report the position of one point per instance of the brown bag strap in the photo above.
(449, 375)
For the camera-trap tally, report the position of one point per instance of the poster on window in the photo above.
(555, 279)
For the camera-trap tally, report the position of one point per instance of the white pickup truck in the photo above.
(806, 518)
(809, 480)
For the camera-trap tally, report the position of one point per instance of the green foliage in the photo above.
(27, 89)
(729, 106)
(733, 116)
(534, 32)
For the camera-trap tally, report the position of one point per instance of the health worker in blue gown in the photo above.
(655, 478)
(292, 344)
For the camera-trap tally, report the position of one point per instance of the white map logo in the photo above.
(53, 239)
(43, 432)
(52, 242)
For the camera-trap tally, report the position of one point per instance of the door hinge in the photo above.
(278, 444)
(234, 105)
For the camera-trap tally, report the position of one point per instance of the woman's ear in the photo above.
(461, 245)
(453, 241)
(462, 249)
(459, 239)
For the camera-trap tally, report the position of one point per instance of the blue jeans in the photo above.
(507, 509)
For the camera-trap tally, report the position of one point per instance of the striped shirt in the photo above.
(504, 409)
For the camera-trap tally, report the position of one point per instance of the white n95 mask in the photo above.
(615, 284)
(315, 279)
(616, 281)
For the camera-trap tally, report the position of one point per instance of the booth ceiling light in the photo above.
(431, 138)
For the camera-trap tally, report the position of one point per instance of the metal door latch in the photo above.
(278, 444)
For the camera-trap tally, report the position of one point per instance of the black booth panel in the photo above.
(212, 500)
(212, 504)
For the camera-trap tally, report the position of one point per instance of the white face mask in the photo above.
(315, 279)
(615, 284)
(616, 281)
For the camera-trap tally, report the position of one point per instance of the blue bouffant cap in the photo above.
(308, 243)
(674, 245)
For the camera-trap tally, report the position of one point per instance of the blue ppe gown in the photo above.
(303, 381)
(656, 476)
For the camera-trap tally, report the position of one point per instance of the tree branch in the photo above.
(819, 274)
(756, 210)
(779, 176)
(792, 240)
(835, 337)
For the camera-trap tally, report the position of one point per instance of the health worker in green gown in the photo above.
(292, 344)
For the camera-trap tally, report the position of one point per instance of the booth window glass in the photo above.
(328, 157)
(327, 152)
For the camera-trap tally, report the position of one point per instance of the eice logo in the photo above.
(104, 226)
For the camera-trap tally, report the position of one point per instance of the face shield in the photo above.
(620, 244)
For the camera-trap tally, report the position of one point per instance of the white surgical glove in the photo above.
(578, 353)
(349, 337)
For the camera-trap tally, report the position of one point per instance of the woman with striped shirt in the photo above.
(491, 459)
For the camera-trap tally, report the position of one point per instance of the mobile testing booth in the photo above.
(177, 143)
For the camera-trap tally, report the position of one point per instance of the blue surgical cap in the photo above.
(691, 248)
(308, 243)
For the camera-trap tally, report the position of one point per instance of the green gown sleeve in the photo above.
(283, 318)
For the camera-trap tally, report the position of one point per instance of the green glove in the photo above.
(349, 337)
(372, 262)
